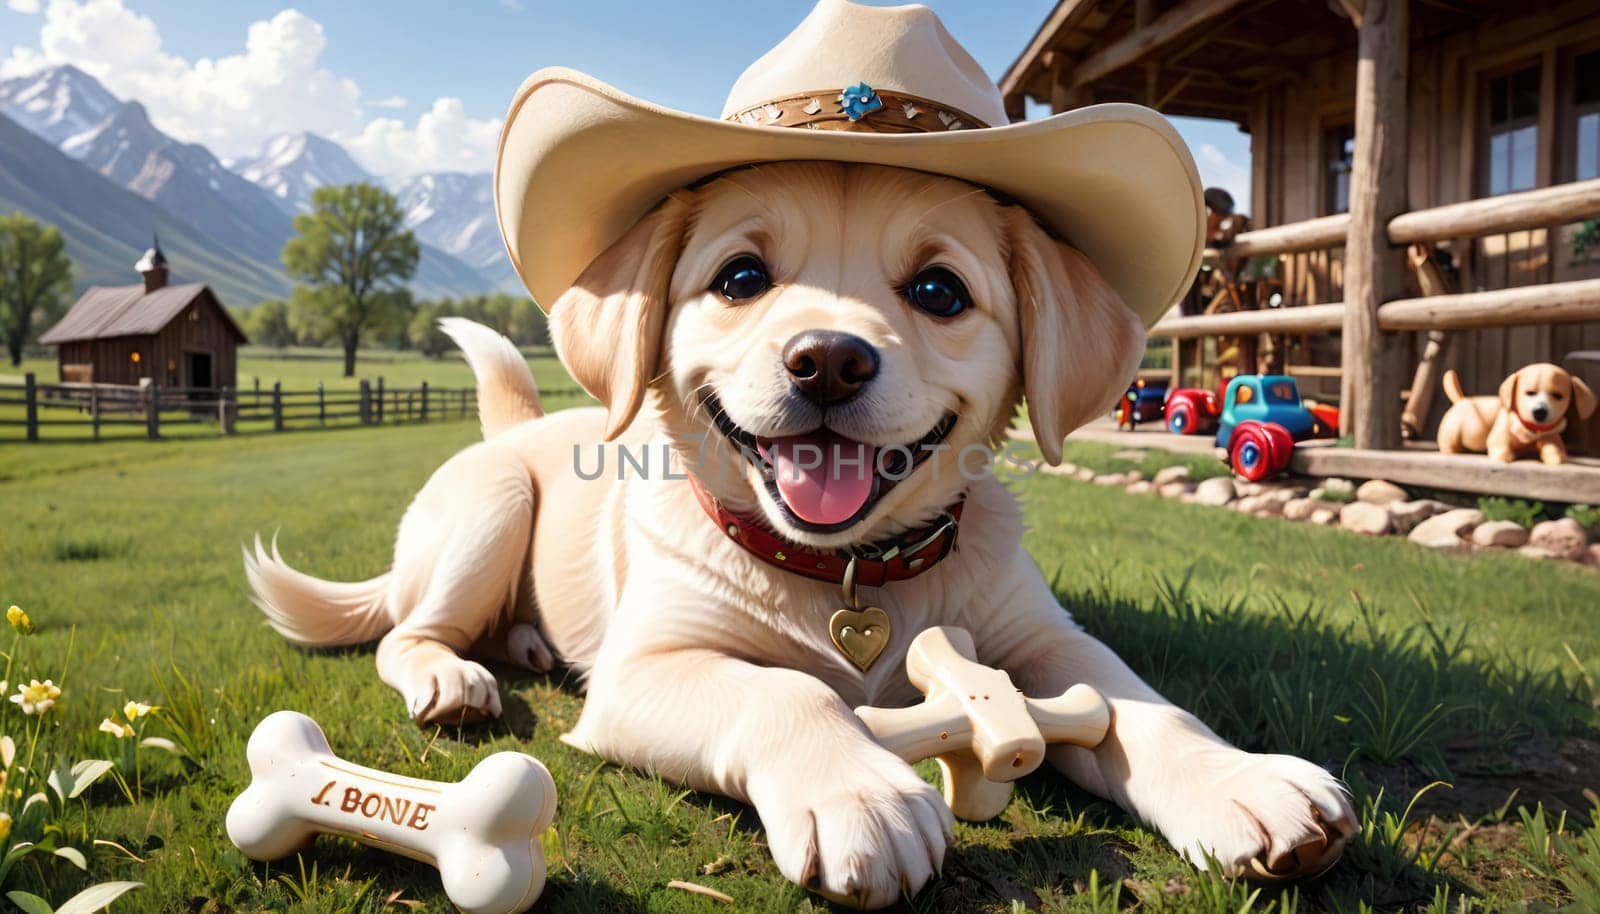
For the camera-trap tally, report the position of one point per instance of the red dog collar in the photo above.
(1534, 426)
(902, 558)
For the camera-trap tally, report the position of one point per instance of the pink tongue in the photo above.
(823, 478)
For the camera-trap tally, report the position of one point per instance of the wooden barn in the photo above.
(1425, 181)
(177, 336)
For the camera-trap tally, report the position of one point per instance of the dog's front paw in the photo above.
(862, 839)
(451, 690)
(1261, 816)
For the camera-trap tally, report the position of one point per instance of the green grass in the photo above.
(1391, 664)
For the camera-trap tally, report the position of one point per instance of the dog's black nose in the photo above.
(829, 367)
(1540, 413)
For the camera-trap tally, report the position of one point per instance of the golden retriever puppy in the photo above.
(853, 308)
(1528, 416)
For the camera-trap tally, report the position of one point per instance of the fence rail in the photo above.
(41, 411)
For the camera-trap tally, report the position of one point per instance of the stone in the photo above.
(1444, 531)
(1365, 517)
(1131, 454)
(1562, 538)
(1407, 514)
(1504, 534)
(1325, 517)
(1133, 476)
(1084, 474)
(1216, 491)
(1243, 488)
(1380, 492)
(1170, 474)
(1534, 552)
(1139, 487)
(1111, 479)
(1593, 557)
(1339, 488)
(1176, 489)
(1299, 508)
(1280, 495)
(1249, 504)
(1066, 469)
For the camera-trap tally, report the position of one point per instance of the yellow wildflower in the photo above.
(5, 826)
(19, 620)
(36, 697)
(134, 710)
(120, 731)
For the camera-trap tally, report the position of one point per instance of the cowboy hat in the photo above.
(580, 162)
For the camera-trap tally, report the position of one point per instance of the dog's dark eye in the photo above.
(939, 292)
(742, 278)
(1557, 395)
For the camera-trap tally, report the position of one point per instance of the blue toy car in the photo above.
(1262, 418)
(1145, 401)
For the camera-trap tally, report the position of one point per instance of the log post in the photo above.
(152, 411)
(277, 406)
(424, 401)
(322, 405)
(1374, 270)
(380, 399)
(94, 409)
(225, 407)
(30, 393)
(364, 410)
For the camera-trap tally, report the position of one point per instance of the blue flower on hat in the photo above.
(859, 100)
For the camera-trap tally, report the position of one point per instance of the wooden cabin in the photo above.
(1425, 177)
(177, 336)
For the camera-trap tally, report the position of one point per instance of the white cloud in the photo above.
(444, 139)
(1217, 170)
(25, 7)
(232, 103)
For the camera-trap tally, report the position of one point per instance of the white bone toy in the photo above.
(982, 729)
(482, 834)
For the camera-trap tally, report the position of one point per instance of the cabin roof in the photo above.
(108, 311)
(1202, 58)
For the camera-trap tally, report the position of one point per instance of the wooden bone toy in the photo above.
(982, 729)
(482, 834)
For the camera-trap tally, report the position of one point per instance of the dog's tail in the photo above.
(1452, 386)
(507, 394)
(311, 611)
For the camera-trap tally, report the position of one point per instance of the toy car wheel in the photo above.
(1259, 450)
(1181, 418)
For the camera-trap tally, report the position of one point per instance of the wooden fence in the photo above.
(34, 411)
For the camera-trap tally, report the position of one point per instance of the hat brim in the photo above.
(580, 163)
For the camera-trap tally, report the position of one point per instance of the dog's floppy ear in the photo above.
(1081, 345)
(1508, 391)
(607, 328)
(1582, 397)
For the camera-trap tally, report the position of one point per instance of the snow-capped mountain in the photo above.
(247, 209)
(58, 104)
(292, 165)
(455, 212)
(185, 179)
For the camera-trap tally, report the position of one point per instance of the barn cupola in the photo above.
(153, 267)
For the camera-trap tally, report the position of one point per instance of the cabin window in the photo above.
(1513, 136)
(1338, 154)
(1586, 115)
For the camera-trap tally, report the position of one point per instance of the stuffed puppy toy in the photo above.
(1527, 418)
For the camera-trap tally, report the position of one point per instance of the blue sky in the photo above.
(373, 74)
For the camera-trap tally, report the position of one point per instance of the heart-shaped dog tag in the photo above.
(860, 634)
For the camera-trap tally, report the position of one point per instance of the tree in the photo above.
(354, 255)
(267, 324)
(35, 279)
(424, 332)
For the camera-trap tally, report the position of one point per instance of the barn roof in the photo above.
(107, 311)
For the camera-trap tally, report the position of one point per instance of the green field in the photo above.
(1392, 665)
